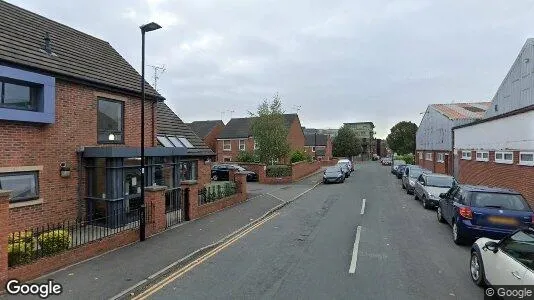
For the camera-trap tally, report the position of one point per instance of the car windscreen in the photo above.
(399, 162)
(414, 173)
(333, 170)
(438, 181)
(500, 201)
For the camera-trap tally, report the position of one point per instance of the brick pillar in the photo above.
(193, 201)
(241, 183)
(4, 233)
(155, 197)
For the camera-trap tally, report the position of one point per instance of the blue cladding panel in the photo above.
(47, 105)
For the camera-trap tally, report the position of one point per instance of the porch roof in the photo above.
(132, 151)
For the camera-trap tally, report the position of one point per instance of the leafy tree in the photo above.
(401, 139)
(346, 143)
(269, 131)
(247, 157)
(299, 155)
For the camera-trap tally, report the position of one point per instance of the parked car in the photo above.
(400, 171)
(479, 211)
(410, 175)
(347, 161)
(428, 187)
(395, 164)
(334, 174)
(344, 168)
(222, 172)
(386, 161)
(508, 262)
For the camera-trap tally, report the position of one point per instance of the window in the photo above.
(227, 159)
(482, 156)
(441, 157)
(186, 142)
(421, 155)
(428, 156)
(466, 155)
(227, 145)
(174, 140)
(16, 95)
(519, 246)
(499, 200)
(504, 157)
(242, 145)
(110, 121)
(24, 185)
(164, 141)
(526, 158)
(188, 170)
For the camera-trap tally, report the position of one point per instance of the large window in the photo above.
(188, 170)
(227, 145)
(24, 185)
(504, 157)
(17, 95)
(110, 121)
(242, 146)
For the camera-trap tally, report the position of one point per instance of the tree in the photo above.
(269, 131)
(401, 139)
(346, 143)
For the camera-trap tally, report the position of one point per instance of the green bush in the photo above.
(247, 157)
(408, 158)
(297, 156)
(21, 236)
(20, 248)
(278, 171)
(54, 241)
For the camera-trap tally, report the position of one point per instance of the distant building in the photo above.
(208, 131)
(318, 146)
(365, 131)
(330, 132)
(380, 147)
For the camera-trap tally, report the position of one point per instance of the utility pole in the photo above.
(231, 113)
(315, 144)
(158, 70)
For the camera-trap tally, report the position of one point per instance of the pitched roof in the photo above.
(168, 123)
(322, 140)
(76, 55)
(241, 127)
(203, 128)
(459, 111)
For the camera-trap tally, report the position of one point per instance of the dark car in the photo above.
(222, 172)
(395, 165)
(410, 175)
(334, 174)
(400, 171)
(479, 211)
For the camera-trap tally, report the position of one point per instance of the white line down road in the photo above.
(363, 207)
(354, 259)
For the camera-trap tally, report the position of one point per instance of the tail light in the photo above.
(465, 212)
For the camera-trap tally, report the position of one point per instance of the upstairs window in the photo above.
(482, 156)
(227, 145)
(242, 146)
(526, 158)
(420, 155)
(504, 157)
(17, 95)
(110, 121)
(466, 155)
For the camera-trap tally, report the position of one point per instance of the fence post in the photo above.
(142, 222)
(156, 195)
(241, 183)
(4, 233)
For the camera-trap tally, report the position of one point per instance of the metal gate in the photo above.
(174, 200)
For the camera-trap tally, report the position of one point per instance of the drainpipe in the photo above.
(79, 155)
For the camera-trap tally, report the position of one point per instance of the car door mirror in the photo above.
(492, 246)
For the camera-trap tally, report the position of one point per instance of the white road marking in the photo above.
(354, 259)
(277, 198)
(363, 207)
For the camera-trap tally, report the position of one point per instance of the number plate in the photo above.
(503, 220)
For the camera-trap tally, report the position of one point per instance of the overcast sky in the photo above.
(338, 61)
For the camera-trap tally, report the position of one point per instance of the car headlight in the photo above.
(411, 182)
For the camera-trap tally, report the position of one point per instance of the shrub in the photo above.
(297, 156)
(408, 158)
(21, 236)
(278, 171)
(20, 248)
(246, 157)
(54, 241)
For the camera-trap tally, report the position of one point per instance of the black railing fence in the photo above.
(174, 205)
(41, 241)
(212, 193)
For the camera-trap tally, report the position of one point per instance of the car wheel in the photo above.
(214, 178)
(457, 237)
(476, 268)
(407, 191)
(403, 186)
(415, 196)
(439, 214)
(424, 202)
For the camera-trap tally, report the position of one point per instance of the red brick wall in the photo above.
(24, 144)
(278, 180)
(434, 165)
(48, 264)
(513, 176)
(211, 138)
(221, 154)
(328, 151)
(204, 172)
(303, 169)
(295, 136)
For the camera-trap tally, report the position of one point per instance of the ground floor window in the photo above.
(188, 170)
(428, 156)
(24, 185)
(441, 157)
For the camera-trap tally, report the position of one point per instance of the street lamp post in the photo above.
(144, 29)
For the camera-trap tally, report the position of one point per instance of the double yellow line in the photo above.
(177, 274)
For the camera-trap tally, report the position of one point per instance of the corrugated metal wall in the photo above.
(434, 132)
(516, 90)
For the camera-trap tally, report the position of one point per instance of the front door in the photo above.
(446, 162)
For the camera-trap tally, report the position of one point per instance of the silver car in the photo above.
(428, 187)
(410, 175)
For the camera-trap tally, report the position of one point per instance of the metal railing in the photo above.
(29, 245)
(214, 192)
(174, 205)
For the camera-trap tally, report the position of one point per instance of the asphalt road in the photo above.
(306, 251)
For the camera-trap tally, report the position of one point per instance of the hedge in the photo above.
(278, 171)
(54, 241)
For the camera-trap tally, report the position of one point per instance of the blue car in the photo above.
(479, 211)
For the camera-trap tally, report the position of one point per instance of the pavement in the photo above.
(329, 245)
(110, 274)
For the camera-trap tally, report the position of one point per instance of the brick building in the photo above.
(318, 146)
(365, 131)
(70, 123)
(498, 150)
(237, 136)
(208, 131)
(434, 141)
